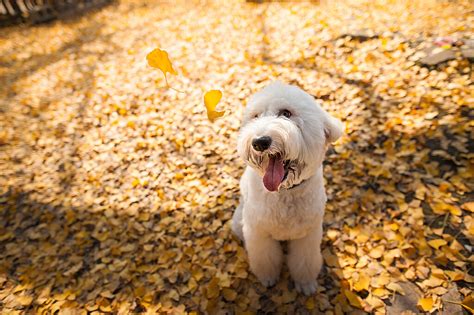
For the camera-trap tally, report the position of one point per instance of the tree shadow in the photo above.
(16, 71)
(94, 258)
(52, 249)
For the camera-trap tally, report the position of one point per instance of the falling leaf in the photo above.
(211, 99)
(159, 59)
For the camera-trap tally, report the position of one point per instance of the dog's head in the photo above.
(285, 134)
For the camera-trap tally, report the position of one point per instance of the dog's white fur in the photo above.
(295, 212)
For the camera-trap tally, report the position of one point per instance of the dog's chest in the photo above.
(292, 218)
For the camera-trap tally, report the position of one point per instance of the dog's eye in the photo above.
(255, 116)
(284, 112)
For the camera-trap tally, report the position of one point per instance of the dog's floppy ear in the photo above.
(333, 128)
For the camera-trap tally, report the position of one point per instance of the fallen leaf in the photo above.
(377, 252)
(468, 303)
(395, 287)
(24, 300)
(426, 304)
(436, 244)
(353, 298)
(362, 283)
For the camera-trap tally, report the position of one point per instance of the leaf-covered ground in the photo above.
(116, 193)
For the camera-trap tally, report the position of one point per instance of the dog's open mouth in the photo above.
(276, 172)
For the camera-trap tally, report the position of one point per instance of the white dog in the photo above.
(283, 140)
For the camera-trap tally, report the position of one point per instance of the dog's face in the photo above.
(285, 134)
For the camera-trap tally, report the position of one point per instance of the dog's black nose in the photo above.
(262, 143)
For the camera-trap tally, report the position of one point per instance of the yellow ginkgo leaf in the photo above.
(353, 298)
(362, 283)
(468, 303)
(395, 287)
(469, 206)
(426, 304)
(211, 99)
(159, 59)
(437, 243)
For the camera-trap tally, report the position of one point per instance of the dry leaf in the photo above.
(426, 304)
(353, 298)
(395, 287)
(436, 244)
(468, 303)
(362, 283)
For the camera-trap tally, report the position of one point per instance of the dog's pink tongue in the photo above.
(274, 174)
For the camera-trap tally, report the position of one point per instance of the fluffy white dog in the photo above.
(283, 140)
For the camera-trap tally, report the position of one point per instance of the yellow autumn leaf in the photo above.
(229, 294)
(455, 275)
(353, 298)
(362, 283)
(374, 302)
(159, 59)
(468, 303)
(426, 304)
(377, 252)
(436, 244)
(135, 182)
(310, 304)
(442, 208)
(469, 206)
(24, 300)
(211, 99)
(213, 288)
(395, 287)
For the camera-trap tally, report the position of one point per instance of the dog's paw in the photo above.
(307, 288)
(268, 281)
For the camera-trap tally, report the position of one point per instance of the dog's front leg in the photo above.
(265, 255)
(237, 221)
(305, 261)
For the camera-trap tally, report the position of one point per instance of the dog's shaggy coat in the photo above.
(283, 140)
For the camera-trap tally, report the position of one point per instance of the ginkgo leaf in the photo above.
(468, 303)
(469, 206)
(395, 287)
(353, 298)
(442, 208)
(24, 300)
(362, 283)
(426, 304)
(159, 59)
(437, 243)
(211, 99)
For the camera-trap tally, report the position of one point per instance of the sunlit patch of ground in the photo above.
(116, 192)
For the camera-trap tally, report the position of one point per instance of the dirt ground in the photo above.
(116, 192)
